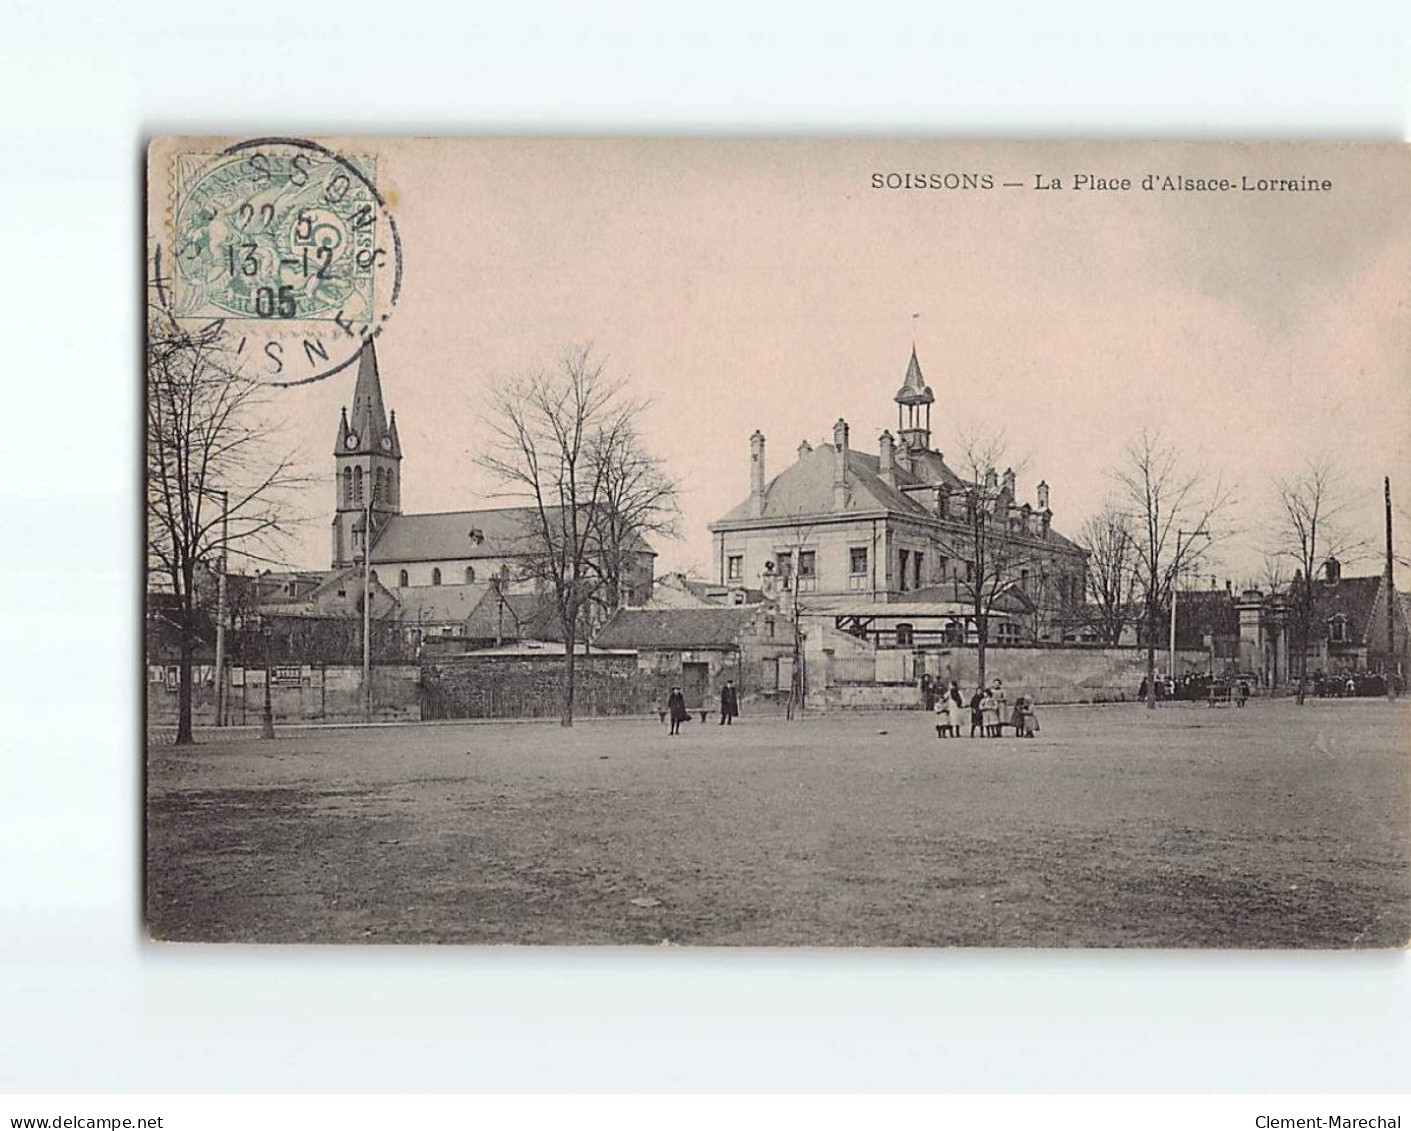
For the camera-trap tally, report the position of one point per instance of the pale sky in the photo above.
(746, 285)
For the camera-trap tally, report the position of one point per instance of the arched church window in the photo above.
(357, 485)
(347, 486)
(377, 486)
(436, 576)
(469, 574)
(402, 579)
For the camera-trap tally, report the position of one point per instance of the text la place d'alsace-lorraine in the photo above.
(1177, 182)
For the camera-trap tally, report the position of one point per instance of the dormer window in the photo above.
(1337, 629)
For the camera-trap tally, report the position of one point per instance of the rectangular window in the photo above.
(784, 567)
(734, 567)
(857, 560)
(917, 562)
(808, 561)
(905, 562)
(945, 568)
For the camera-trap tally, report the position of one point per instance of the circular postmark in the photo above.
(284, 248)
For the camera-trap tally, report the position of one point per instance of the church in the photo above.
(844, 531)
(436, 567)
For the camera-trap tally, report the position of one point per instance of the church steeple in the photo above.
(368, 418)
(914, 400)
(367, 465)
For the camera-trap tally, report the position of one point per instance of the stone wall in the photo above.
(298, 693)
(1053, 674)
(526, 687)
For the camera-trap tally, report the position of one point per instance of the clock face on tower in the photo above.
(352, 440)
(387, 442)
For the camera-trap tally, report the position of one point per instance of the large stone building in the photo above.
(846, 529)
(409, 551)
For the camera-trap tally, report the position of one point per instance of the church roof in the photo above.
(914, 389)
(462, 535)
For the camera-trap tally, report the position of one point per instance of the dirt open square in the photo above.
(1272, 826)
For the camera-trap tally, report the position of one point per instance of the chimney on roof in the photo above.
(805, 448)
(886, 457)
(840, 464)
(757, 473)
(1332, 571)
(1228, 587)
(1042, 491)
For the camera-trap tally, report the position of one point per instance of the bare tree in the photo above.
(993, 547)
(564, 441)
(1172, 510)
(213, 482)
(1111, 580)
(1310, 529)
(639, 499)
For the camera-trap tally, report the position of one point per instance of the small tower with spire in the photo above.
(914, 400)
(367, 459)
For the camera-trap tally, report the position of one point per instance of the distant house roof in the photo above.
(1352, 598)
(677, 591)
(514, 616)
(440, 604)
(675, 628)
(1204, 611)
(458, 535)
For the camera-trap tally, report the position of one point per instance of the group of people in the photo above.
(679, 713)
(989, 712)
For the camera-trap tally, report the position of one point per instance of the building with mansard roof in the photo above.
(845, 530)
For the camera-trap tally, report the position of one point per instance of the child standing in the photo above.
(943, 725)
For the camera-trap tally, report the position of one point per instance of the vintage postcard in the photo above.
(777, 543)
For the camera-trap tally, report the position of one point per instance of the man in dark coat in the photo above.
(729, 703)
(676, 709)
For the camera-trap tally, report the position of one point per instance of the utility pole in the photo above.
(267, 723)
(1392, 667)
(367, 610)
(220, 608)
(1175, 574)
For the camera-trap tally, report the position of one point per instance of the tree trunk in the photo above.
(1302, 637)
(1151, 658)
(570, 625)
(184, 736)
(982, 632)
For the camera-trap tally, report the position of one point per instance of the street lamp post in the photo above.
(1175, 573)
(267, 725)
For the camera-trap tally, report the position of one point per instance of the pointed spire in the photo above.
(396, 449)
(369, 416)
(340, 445)
(913, 387)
